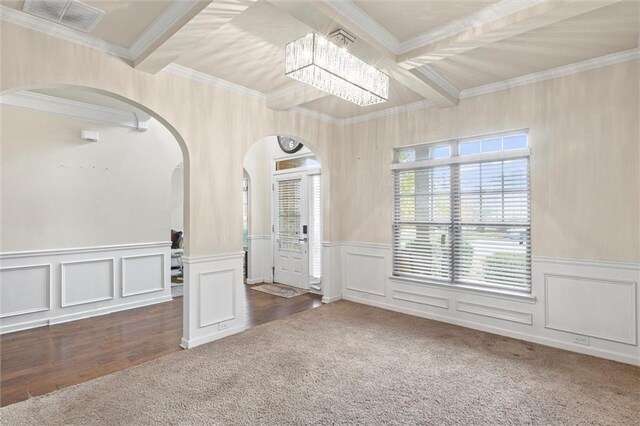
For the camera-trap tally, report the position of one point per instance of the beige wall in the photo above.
(177, 198)
(585, 161)
(61, 192)
(583, 131)
(216, 125)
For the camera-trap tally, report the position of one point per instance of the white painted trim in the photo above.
(202, 324)
(478, 18)
(84, 111)
(212, 258)
(49, 290)
(386, 112)
(494, 312)
(192, 343)
(588, 350)
(632, 284)
(63, 302)
(478, 291)
(123, 281)
(356, 244)
(430, 74)
(462, 159)
(210, 80)
(258, 237)
(444, 301)
(587, 262)
(562, 71)
(170, 17)
(252, 281)
(326, 299)
(76, 250)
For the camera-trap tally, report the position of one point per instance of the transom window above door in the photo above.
(462, 212)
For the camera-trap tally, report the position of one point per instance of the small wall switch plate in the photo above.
(223, 325)
(581, 340)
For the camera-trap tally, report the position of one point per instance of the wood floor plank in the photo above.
(42, 360)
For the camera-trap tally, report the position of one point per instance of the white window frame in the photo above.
(454, 158)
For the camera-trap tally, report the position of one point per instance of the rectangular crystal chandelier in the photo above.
(316, 61)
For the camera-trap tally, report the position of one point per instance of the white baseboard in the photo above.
(496, 330)
(326, 299)
(254, 281)
(192, 343)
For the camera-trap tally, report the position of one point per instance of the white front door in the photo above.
(291, 242)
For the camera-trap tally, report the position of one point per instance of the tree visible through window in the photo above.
(461, 215)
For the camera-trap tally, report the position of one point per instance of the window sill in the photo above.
(465, 288)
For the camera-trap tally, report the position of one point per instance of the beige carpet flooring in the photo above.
(347, 363)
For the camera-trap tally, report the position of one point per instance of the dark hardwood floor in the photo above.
(39, 361)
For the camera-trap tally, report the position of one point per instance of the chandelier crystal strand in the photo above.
(316, 61)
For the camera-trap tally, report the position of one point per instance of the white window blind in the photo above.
(289, 213)
(465, 219)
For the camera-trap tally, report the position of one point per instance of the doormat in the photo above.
(280, 290)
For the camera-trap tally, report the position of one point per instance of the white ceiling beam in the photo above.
(202, 21)
(372, 45)
(500, 21)
(293, 95)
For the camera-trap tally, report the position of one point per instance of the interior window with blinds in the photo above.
(462, 212)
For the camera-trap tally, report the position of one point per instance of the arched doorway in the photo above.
(86, 224)
(285, 244)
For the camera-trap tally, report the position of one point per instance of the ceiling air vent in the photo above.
(71, 13)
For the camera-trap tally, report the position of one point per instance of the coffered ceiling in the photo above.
(435, 51)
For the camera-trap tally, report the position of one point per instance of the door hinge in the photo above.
(273, 228)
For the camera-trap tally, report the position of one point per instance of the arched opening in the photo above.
(98, 183)
(285, 222)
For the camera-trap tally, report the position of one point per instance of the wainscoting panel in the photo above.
(260, 260)
(45, 287)
(87, 281)
(603, 309)
(214, 298)
(421, 298)
(217, 297)
(579, 305)
(144, 273)
(493, 312)
(364, 272)
(24, 290)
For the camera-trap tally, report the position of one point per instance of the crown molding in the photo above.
(173, 14)
(589, 64)
(478, 18)
(84, 111)
(359, 17)
(387, 112)
(61, 31)
(210, 80)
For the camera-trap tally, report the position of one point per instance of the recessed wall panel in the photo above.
(365, 273)
(87, 281)
(593, 307)
(142, 274)
(217, 297)
(24, 289)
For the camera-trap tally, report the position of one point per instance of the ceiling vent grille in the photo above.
(71, 13)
